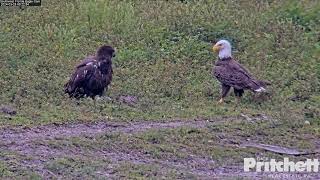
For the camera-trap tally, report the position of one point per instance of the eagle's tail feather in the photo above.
(67, 88)
(261, 85)
(70, 86)
(260, 89)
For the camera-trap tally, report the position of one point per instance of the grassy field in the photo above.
(164, 59)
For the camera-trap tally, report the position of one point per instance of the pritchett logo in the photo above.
(250, 164)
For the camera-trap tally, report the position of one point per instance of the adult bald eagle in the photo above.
(232, 74)
(92, 76)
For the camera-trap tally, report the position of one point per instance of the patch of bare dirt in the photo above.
(20, 136)
(21, 140)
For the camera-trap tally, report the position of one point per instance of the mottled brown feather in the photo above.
(92, 76)
(229, 72)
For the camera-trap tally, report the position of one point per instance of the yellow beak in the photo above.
(216, 48)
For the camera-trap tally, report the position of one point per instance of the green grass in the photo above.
(88, 169)
(11, 167)
(164, 58)
(161, 151)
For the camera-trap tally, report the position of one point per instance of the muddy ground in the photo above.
(31, 149)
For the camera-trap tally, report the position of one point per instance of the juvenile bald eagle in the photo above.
(232, 74)
(92, 76)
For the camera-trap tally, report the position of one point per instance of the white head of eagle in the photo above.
(231, 74)
(223, 47)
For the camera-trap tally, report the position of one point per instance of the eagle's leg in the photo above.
(238, 93)
(224, 92)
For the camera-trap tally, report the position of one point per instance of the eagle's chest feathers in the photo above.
(224, 68)
(100, 75)
(226, 64)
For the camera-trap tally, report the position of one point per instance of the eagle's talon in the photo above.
(220, 101)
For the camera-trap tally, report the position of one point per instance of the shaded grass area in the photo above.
(163, 57)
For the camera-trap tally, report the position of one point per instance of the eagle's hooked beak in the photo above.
(216, 48)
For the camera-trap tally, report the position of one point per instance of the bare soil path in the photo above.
(20, 136)
(21, 140)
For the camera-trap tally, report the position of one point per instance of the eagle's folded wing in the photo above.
(235, 76)
(81, 75)
(87, 61)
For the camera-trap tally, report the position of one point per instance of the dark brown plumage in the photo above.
(230, 73)
(92, 76)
